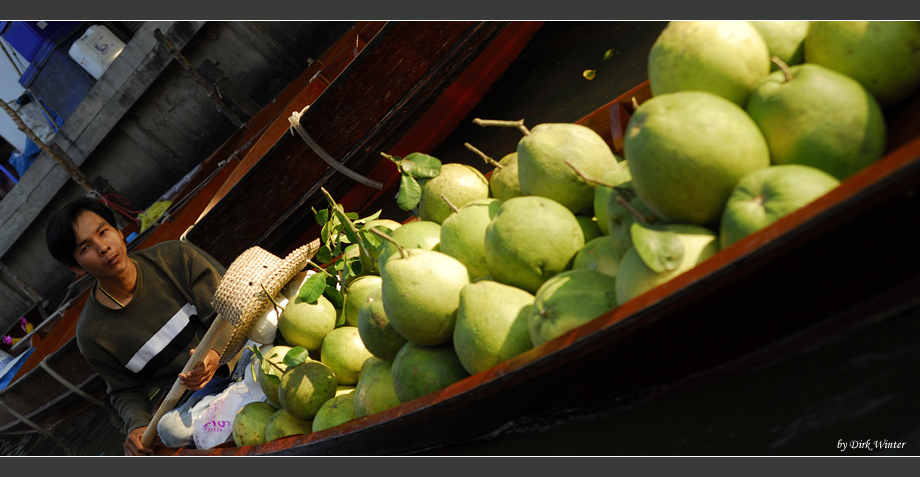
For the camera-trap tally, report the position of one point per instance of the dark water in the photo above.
(861, 388)
(91, 431)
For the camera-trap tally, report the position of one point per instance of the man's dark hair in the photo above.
(60, 235)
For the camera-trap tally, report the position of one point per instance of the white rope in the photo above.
(295, 125)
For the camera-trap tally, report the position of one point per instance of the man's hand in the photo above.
(133, 444)
(198, 377)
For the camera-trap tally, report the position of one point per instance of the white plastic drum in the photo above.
(96, 50)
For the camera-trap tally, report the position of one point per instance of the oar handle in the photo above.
(202, 350)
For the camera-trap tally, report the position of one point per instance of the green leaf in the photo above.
(312, 288)
(296, 356)
(257, 352)
(322, 217)
(339, 265)
(353, 267)
(370, 238)
(350, 230)
(326, 233)
(351, 233)
(352, 215)
(608, 54)
(324, 255)
(369, 218)
(421, 166)
(657, 246)
(334, 296)
(274, 379)
(410, 192)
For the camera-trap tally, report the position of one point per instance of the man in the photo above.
(144, 316)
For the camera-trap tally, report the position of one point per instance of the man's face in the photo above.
(101, 250)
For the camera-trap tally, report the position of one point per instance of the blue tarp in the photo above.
(21, 163)
(12, 370)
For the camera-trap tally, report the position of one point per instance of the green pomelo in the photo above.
(460, 183)
(375, 392)
(819, 118)
(635, 277)
(600, 255)
(344, 353)
(335, 411)
(356, 295)
(725, 58)
(463, 235)
(306, 324)
(283, 424)
(250, 422)
(785, 39)
(763, 197)
(504, 183)
(421, 293)
(340, 390)
(589, 227)
(377, 334)
(270, 387)
(491, 325)
(884, 56)
(419, 370)
(687, 151)
(305, 388)
(613, 176)
(422, 234)
(568, 301)
(531, 239)
(542, 168)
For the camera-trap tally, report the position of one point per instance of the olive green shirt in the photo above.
(147, 343)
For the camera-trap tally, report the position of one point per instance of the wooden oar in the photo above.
(239, 301)
(172, 398)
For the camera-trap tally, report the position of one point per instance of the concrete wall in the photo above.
(144, 125)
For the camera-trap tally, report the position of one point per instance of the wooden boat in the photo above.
(451, 67)
(775, 295)
(38, 397)
(819, 275)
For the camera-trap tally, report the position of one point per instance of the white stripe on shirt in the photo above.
(157, 342)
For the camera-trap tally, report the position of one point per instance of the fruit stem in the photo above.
(483, 155)
(274, 303)
(402, 250)
(346, 222)
(635, 103)
(507, 124)
(586, 177)
(449, 203)
(621, 199)
(320, 268)
(783, 66)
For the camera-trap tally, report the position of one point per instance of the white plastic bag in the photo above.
(213, 426)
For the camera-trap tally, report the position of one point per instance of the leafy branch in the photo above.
(411, 168)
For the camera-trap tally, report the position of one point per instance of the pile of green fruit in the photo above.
(563, 230)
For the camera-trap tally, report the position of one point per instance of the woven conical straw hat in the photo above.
(240, 297)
